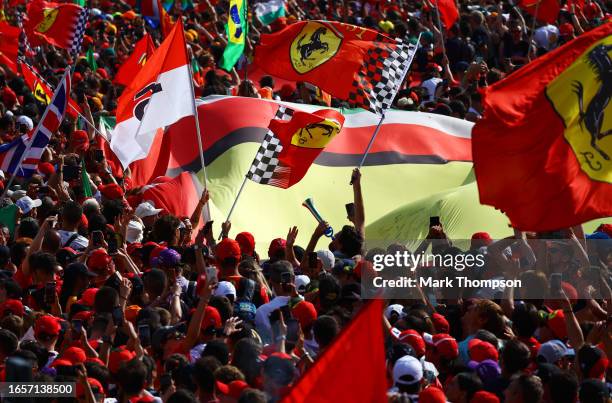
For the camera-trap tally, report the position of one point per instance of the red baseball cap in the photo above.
(46, 168)
(88, 297)
(235, 388)
(305, 312)
(47, 324)
(482, 396)
(96, 388)
(98, 259)
(415, 340)
(118, 356)
(246, 240)
(566, 29)
(480, 239)
(111, 191)
(446, 346)
(556, 323)
(276, 245)
(212, 318)
(481, 350)
(60, 362)
(432, 394)
(80, 140)
(13, 306)
(228, 248)
(440, 323)
(75, 355)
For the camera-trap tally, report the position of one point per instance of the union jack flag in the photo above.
(21, 156)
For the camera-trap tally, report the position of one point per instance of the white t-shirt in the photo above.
(546, 37)
(78, 243)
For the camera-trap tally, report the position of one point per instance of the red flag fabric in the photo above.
(356, 64)
(547, 11)
(158, 96)
(52, 23)
(178, 196)
(543, 151)
(143, 50)
(41, 90)
(352, 369)
(9, 45)
(155, 164)
(448, 12)
(297, 142)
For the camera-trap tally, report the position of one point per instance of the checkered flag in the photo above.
(381, 76)
(24, 49)
(77, 34)
(265, 168)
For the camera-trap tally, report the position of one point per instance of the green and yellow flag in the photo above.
(91, 60)
(236, 29)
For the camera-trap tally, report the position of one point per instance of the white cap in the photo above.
(26, 204)
(301, 282)
(225, 288)
(24, 120)
(397, 308)
(147, 209)
(1, 174)
(407, 371)
(134, 232)
(327, 258)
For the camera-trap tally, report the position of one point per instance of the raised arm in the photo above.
(359, 219)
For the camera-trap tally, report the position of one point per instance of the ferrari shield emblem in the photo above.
(40, 94)
(50, 14)
(581, 96)
(316, 135)
(314, 45)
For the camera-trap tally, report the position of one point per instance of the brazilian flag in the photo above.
(236, 29)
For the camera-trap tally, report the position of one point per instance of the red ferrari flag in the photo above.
(359, 350)
(59, 24)
(292, 143)
(41, 90)
(547, 11)
(143, 50)
(359, 65)
(9, 45)
(543, 151)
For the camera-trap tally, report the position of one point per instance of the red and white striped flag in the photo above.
(160, 95)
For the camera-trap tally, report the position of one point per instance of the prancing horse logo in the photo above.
(581, 96)
(314, 45)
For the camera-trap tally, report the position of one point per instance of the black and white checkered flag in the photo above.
(266, 163)
(24, 49)
(382, 74)
(77, 35)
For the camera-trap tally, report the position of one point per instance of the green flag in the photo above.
(236, 29)
(270, 11)
(81, 3)
(87, 192)
(8, 216)
(91, 60)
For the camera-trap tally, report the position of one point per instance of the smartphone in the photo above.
(97, 237)
(350, 210)
(313, 260)
(77, 325)
(144, 334)
(98, 155)
(117, 315)
(71, 172)
(478, 59)
(293, 330)
(555, 284)
(112, 245)
(50, 292)
(434, 221)
(211, 275)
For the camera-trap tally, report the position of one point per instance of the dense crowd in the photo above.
(127, 301)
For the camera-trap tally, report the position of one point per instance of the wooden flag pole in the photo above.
(440, 29)
(533, 24)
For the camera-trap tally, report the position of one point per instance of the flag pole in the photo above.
(533, 24)
(382, 118)
(229, 215)
(440, 29)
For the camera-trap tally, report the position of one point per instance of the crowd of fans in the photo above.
(125, 300)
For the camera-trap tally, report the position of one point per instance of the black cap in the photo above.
(593, 390)
(78, 268)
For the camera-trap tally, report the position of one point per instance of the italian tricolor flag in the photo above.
(269, 11)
